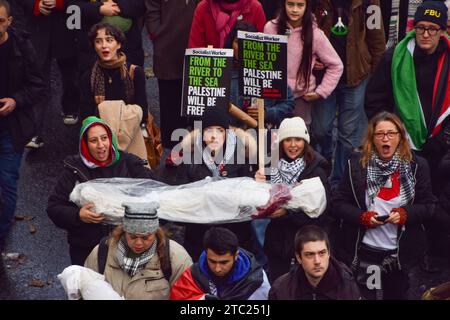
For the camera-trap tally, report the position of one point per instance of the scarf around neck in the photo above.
(98, 78)
(216, 163)
(406, 95)
(379, 171)
(225, 21)
(287, 172)
(130, 263)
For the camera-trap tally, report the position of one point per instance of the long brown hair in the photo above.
(305, 68)
(403, 149)
(160, 237)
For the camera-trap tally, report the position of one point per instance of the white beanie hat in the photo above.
(293, 128)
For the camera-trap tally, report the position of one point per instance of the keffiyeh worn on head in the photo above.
(379, 171)
(133, 265)
(287, 172)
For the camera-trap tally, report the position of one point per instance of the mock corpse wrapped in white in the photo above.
(212, 200)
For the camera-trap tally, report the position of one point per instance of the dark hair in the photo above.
(110, 30)
(310, 233)
(5, 4)
(238, 26)
(308, 153)
(304, 70)
(220, 240)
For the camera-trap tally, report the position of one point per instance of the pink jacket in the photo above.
(203, 29)
(322, 49)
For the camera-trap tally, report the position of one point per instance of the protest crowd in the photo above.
(301, 143)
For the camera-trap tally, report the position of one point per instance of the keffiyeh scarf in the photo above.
(379, 171)
(217, 162)
(287, 172)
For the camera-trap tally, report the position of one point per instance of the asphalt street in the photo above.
(42, 246)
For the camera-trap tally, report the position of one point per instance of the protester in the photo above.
(298, 161)
(306, 44)
(317, 275)
(224, 271)
(112, 77)
(213, 20)
(360, 48)
(382, 201)
(21, 87)
(412, 80)
(124, 14)
(169, 41)
(215, 151)
(98, 158)
(46, 21)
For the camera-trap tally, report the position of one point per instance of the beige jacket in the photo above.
(124, 120)
(150, 283)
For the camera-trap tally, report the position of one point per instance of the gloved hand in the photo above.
(366, 219)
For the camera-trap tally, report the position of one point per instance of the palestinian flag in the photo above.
(407, 97)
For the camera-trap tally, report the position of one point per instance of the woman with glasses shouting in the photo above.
(382, 200)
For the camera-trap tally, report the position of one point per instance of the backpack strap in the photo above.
(166, 266)
(102, 254)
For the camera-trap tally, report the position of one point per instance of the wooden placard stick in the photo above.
(261, 146)
(242, 116)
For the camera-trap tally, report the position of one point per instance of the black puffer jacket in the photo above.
(348, 203)
(192, 172)
(337, 284)
(65, 214)
(280, 232)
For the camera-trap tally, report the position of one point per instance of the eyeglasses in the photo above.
(431, 31)
(390, 135)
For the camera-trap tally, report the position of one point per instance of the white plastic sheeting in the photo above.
(212, 200)
(80, 282)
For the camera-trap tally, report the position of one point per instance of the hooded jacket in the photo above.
(66, 214)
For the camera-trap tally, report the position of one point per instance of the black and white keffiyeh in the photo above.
(133, 265)
(216, 163)
(287, 172)
(379, 171)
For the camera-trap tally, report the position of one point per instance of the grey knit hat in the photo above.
(140, 218)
